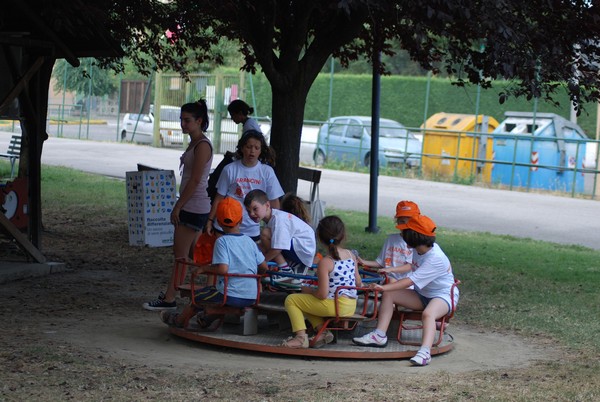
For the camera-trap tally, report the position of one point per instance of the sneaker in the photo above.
(371, 339)
(298, 268)
(160, 304)
(420, 359)
(278, 278)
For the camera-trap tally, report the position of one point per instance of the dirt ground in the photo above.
(82, 335)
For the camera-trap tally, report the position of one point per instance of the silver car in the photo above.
(347, 139)
(140, 127)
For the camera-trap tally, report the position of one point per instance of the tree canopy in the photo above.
(78, 79)
(540, 45)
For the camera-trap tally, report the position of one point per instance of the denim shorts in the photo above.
(192, 220)
(426, 300)
(211, 294)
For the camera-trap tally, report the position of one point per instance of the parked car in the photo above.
(170, 127)
(348, 139)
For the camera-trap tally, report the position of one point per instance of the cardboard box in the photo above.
(151, 195)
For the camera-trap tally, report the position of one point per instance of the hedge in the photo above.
(404, 98)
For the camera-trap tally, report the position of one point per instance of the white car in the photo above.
(139, 128)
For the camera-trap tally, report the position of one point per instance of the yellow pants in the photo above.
(301, 306)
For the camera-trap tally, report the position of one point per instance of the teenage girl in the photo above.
(191, 210)
(239, 111)
(249, 172)
(313, 303)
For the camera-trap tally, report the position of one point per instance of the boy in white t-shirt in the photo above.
(286, 239)
(395, 256)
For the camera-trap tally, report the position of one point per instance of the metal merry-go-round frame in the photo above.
(272, 326)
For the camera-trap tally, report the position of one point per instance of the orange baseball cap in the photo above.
(229, 212)
(407, 208)
(420, 224)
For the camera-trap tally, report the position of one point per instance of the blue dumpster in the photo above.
(546, 152)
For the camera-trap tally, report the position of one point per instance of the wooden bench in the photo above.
(314, 204)
(13, 153)
(313, 176)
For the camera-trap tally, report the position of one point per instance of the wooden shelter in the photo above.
(33, 35)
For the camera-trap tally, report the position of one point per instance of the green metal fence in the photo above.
(218, 90)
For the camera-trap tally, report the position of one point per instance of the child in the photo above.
(286, 239)
(295, 205)
(336, 269)
(432, 279)
(239, 111)
(247, 173)
(233, 253)
(395, 256)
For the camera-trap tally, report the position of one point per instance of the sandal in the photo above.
(296, 342)
(325, 338)
(170, 318)
(208, 323)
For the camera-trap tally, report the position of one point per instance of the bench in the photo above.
(13, 153)
(315, 205)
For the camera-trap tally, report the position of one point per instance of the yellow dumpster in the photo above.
(455, 146)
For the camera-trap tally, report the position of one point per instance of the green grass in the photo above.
(62, 185)
(520, 285)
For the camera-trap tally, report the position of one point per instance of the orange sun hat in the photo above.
(421, 224)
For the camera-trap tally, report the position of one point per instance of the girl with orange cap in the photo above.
(433, 282)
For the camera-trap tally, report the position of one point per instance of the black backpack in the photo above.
(213, 177)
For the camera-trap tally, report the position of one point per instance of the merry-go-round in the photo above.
(262, 326)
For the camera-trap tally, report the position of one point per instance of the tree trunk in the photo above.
(288, 116)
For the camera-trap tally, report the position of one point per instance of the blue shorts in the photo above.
(192, 220)
(291, 256)
(211, 294)
(426, 300)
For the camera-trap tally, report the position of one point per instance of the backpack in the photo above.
(213, 177)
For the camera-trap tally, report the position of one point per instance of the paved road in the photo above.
(544, 217)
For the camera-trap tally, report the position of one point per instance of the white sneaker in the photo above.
(282, 278)
(420, 359)
(371, 339)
